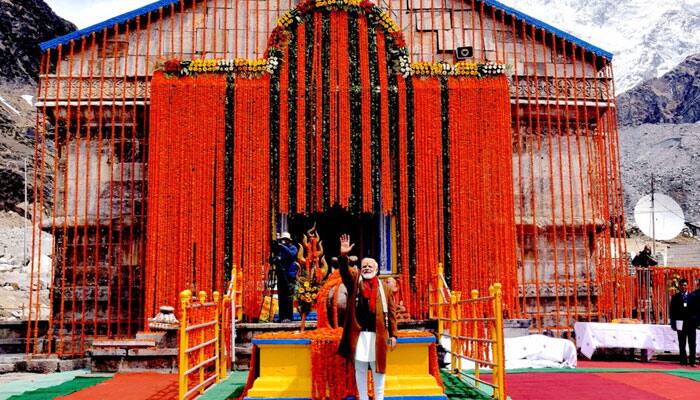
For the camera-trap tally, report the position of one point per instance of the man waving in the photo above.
(370, 324)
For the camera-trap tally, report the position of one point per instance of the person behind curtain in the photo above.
(370, 324)
(683, 321)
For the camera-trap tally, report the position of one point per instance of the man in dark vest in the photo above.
(370, 323)
(683, 321)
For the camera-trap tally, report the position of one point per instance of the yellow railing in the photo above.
(199, 361)
(206, 344)
(474, 327)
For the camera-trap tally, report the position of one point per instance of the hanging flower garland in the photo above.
(239, 66)
(460, 69)
(280, 37)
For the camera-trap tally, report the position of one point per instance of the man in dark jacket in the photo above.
(683, 321)
(286, 276)
(642, 263)
(644, 259)
(370, 323)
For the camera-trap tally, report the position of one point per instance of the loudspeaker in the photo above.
(465, 52)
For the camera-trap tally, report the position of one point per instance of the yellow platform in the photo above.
(285, 370)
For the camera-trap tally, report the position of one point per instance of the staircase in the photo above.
(147, 351)
(246, 332)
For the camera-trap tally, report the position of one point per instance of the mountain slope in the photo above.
(673, 98)
(648, 38)
(660, 135)
(672, 153)
(23, 25)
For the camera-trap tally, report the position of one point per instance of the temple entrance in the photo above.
(366, 230)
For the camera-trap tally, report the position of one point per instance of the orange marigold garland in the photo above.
(198, 132)
(366, 118)
(332, 282)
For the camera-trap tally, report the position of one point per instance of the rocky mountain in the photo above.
(672, 153)
(647, 37)
(673, 98)
(23, 25)
(660, 134)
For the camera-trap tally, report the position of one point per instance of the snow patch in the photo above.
(647, 37)
(6, 104)
(29, 99)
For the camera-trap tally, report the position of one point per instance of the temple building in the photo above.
(176, 141)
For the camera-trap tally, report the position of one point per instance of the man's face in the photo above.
(684, 287)
(369, 268)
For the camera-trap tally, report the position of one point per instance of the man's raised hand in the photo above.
(345, 245)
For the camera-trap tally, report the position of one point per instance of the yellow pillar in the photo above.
(223, 368)
(453, 325)
(238, 293)
(217, 353)
(458, 332)
(438, 297)
(185, 297)
(476, 347)
(202, 338)
(499, 346)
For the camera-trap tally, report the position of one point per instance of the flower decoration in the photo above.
(171, 66)
(492, 68)
(306, 294)
(461, 69)
(280, 36)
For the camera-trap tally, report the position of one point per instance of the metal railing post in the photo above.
(185, 297)
(217, 329)
(238, 293)
(458, 331)
(500, 390)
(202, 338)
(475, 334)
(223, 368)
(438, 297)
(453, 340)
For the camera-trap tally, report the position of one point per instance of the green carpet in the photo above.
(37, 381)
(684, 373)
(456, 389)
(229, 388)
(64, 389)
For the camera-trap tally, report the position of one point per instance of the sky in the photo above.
(84, 13)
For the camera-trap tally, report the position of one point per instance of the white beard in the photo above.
(368, 276)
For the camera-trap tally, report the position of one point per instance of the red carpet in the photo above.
(655, 364)
(131, 386)
(575, 386)
(662, 384)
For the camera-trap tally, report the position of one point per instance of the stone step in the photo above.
(123, 343)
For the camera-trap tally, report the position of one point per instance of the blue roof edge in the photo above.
(163, 3)
(119, 19)
(540, 24)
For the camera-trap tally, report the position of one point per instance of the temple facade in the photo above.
(553, 233)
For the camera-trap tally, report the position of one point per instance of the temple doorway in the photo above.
(371, 233)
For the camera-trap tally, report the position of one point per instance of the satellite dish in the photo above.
(662, 221)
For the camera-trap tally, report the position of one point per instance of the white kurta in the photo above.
(365, 349)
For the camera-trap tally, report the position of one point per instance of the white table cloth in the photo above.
(653, 338)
